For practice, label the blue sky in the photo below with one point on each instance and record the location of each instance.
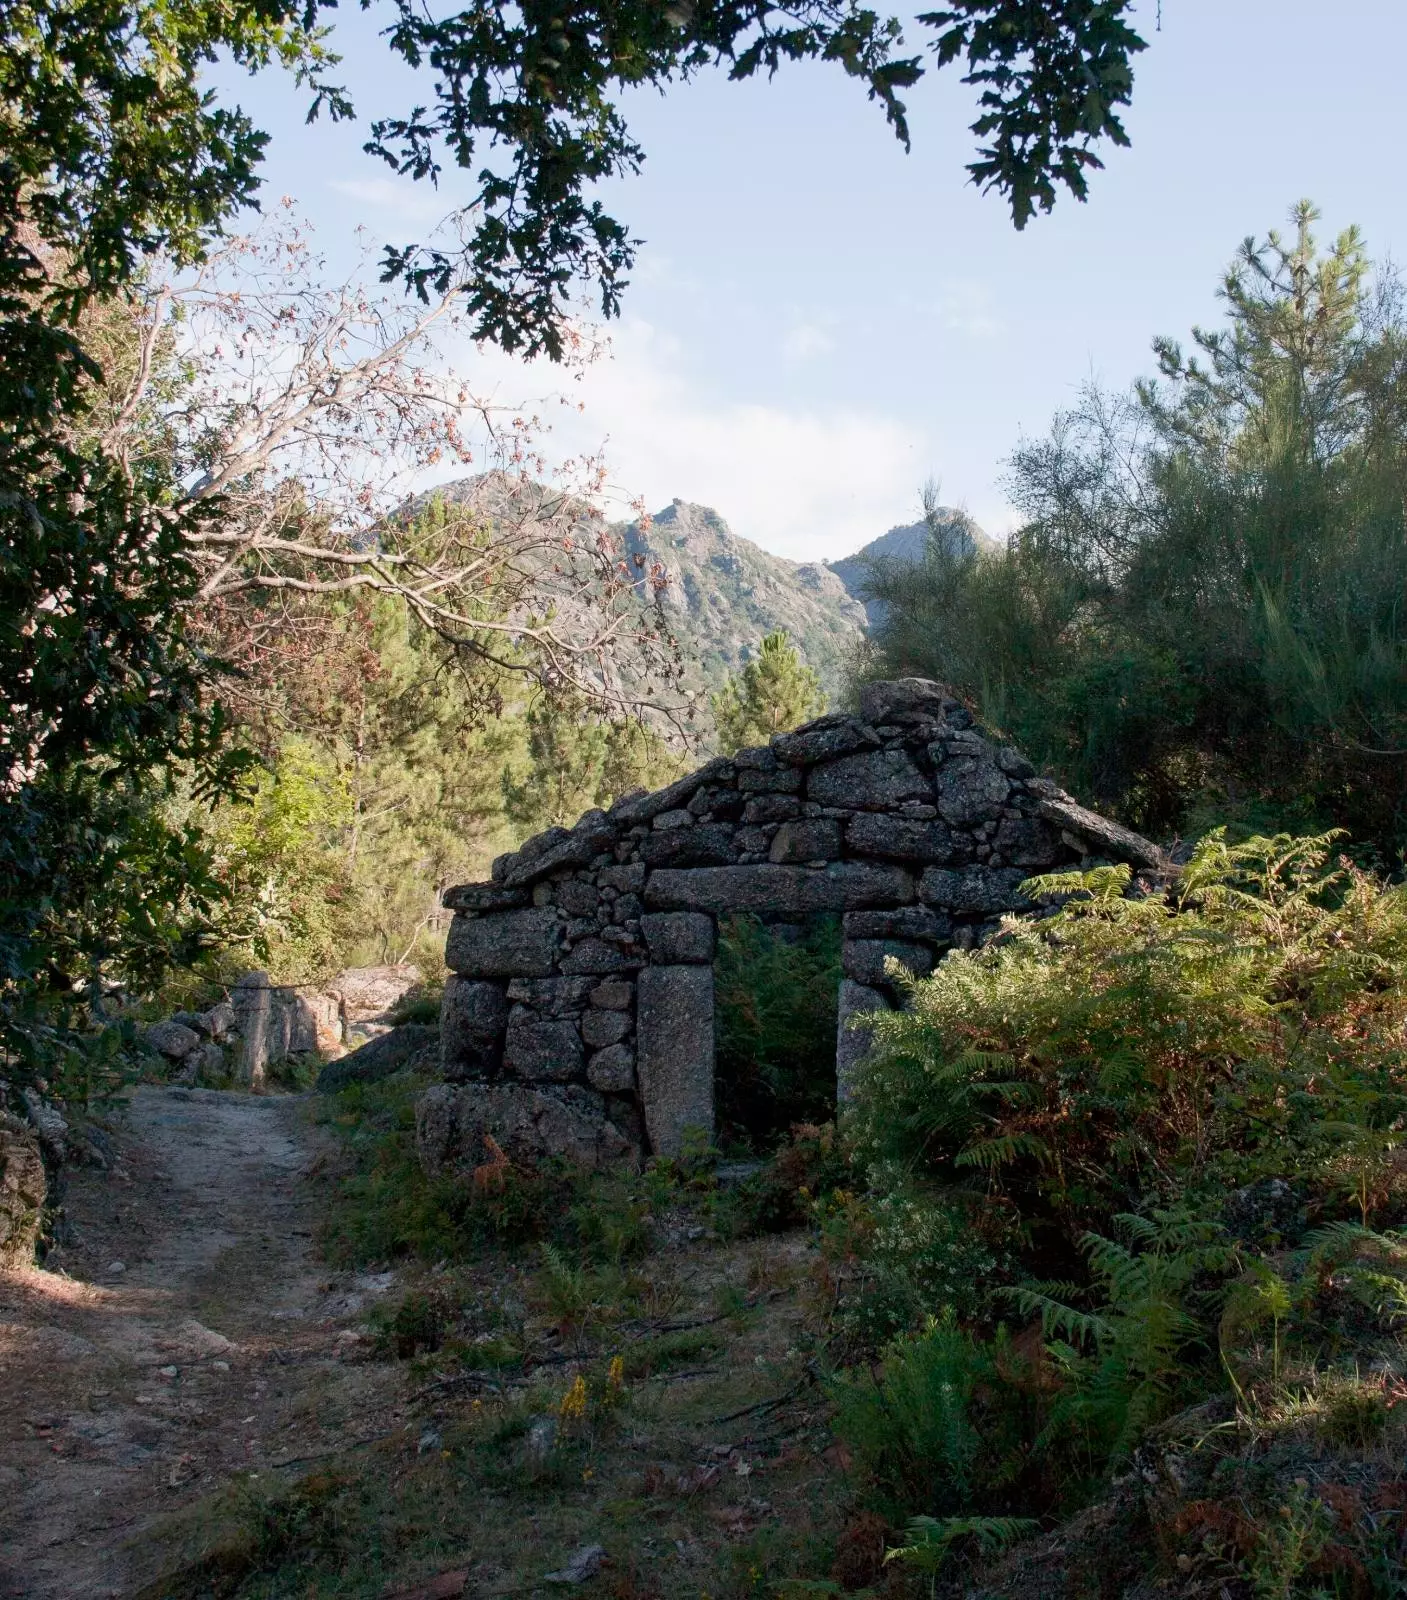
(819, 322)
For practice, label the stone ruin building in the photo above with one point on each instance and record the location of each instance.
(579, 1019)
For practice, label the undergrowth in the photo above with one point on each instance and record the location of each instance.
(1167, 1132)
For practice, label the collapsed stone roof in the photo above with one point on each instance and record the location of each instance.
(578, 1019)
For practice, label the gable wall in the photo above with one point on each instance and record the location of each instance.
(578, 1019)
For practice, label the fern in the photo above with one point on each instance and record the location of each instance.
(931, 1539)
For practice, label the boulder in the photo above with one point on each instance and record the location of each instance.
(219, 1021)
(528, 1125)
(172, 1039)
(873, 781)
(542, 1049)
(473, 1016)
(324, 1013)
(674, 1054)
(780, 891)
(506, 944)
(369, 994)
(23, 1191)
(411, 1044)
(673, 937)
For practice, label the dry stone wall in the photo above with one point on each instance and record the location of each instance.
(578, 1019)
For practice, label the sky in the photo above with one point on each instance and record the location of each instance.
(818, 322)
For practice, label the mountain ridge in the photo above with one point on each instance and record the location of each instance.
(726, 593)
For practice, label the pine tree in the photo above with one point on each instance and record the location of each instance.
(772, 693)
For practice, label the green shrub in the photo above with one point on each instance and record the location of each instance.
(1140, 1051)
(941, 1425)
(1139, 1161)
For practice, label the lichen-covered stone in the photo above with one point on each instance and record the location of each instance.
(171, 1039)
(1104, 837)
(707, 844)
(528, 1125)
(901, 839)
(473, 1015)
(922, 923)
(771, 808)
(674, 1054)
(626, 878)
(23, 1190)
(969, 789)
(554, 997)
(590, 836)
(596, 958)
(780, 891)
(872, 781)
(852, 1037)
(678, 936)
(1028, 842)
(602, 1028)
(975, 891)
(645, 808)
(897, 698)
(612, 1070)
(483, 897)
(808, 839)
(864, 959)
(823, 740)
(542, 1049)
(507, 944)
(613, 995)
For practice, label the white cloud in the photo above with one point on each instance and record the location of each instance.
(810, 484)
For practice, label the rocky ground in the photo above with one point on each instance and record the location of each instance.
(192, 1403)
(186, 1335)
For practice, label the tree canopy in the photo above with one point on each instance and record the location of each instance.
(1204, 603)
(116, 151)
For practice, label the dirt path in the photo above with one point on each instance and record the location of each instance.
(187, 1334)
